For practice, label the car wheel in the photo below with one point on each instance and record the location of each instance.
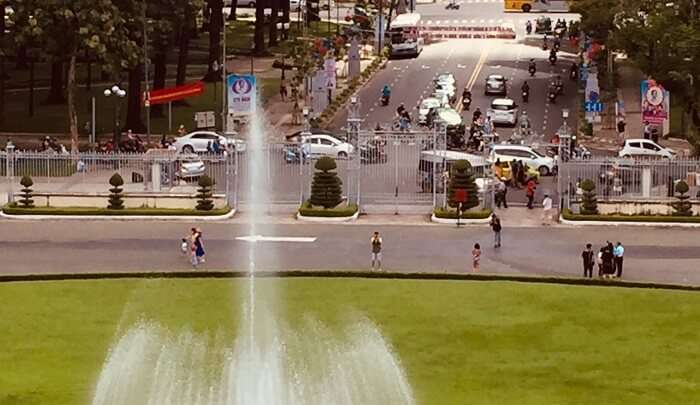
(526, 8)
(251, 4)
(187, 149)
(544, 170)
(626, 156)
(342, 155)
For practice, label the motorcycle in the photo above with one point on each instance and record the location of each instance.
(532, 69)
(560, 88)
(552, 95)
(526, 96)
(385, 100)
(553, 59)
(452, 6)
(556, 46)
(573, 75)
(466, 103)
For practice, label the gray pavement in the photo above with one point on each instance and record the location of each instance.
(654, 254)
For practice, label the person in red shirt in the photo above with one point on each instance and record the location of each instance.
(530, 192)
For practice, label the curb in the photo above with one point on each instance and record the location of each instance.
(174, 218)
(349, 274)
(631, 223)
(332, 220)
(463, 221)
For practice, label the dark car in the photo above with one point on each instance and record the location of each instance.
(495, 84)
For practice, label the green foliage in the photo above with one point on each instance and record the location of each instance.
(569, 215)
(76, 211)
(205, 193)
(682, 207)
(452, 214)
(461, 177)
(26, 200)
(308, 210)
(589, 202)
(326, 187)
(116, 201)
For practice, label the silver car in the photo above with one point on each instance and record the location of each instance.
(496, 84)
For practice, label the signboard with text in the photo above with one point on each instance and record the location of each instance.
(242, 91)
(654, 102)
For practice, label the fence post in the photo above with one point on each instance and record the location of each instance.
(396, 176)
(10, 171)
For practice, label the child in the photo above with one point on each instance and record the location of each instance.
(183, 246)
(476, 257)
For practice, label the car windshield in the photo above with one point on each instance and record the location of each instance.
(537, 153)
(502, 107)
(428, 104)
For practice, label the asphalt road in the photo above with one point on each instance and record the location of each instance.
(655, 254)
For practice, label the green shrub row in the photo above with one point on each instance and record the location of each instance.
(14, 209)
(308, 210)
(452, 214)
(570, 216)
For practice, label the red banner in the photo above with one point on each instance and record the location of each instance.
(169, 94)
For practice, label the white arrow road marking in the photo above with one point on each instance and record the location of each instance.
(460, 66)
(260, 238)
(424, 67)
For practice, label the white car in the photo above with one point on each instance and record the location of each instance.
(645, 148)
(198, 141)
(447, 78)
(503, 111)
(295, 5)
(444, 89)
(508, 153)
(326, 145)
(425, 106)
(496, 84)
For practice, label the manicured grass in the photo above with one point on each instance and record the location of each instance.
(342, 210)
(460, 342)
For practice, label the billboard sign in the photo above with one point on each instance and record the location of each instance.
(242, 93)
(654, 102)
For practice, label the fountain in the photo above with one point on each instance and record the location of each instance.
(270, 363)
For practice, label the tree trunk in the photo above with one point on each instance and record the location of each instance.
(259, 36)
(391, 11)
(275, 7)
(133, 95)
(206, 15)
(56, 95)
(216, 22)
(71, 88)
(186, 29)
(21, 61)
(160, 67)
(232, 16)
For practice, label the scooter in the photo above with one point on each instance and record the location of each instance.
(385, 100)
(466, 103)
(560, 89)
(532, 69)
(526, 96)
(573, 75)
(552, 95)
(553, 59)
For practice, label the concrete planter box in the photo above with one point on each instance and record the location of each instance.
(451, 221)
(131, 200)
(328, 219)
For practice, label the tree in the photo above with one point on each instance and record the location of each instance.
(259, 33)
(116, 201)
(272, 24)
(589, 202)
(205, 193)
(462, 178)
(216, 24)
(326, 187)
(186, 28)
(62, 28)
(682, 207)
(26, 200)
(597, 17)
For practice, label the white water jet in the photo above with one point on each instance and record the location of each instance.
(269, 363)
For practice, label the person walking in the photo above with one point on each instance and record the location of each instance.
(476, 257)
(199, 247)
(619, 253)
(608, 262)
(501, 193)
(621, 128)
(283, 91)
(588, 261)
(376, 243)
(547, 210)
(530, 192)
(496, 226)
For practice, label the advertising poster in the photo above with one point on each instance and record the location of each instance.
(655, 103)
(242, 93)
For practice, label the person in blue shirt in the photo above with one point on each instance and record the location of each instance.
(619, 253)
(386, 91)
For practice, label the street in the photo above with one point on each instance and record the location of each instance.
(651, 254)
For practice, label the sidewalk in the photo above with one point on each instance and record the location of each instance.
(606, 137)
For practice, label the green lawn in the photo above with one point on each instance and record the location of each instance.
(460, 342)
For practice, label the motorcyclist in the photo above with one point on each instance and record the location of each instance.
(532, 67)
(528, 27)
(400, 110)
(525, 126)
(544, 42)
(552, 92)
(525, 90)
(557, 43)
(553, 57)
(466, 99)
(573, 71)
(476, 115)
(558, 82)
(386, 91)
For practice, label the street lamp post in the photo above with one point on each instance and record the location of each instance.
(302, 137)
(118, 93)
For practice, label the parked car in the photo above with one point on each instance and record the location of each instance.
(496, 84)
(503, 111)
(424, 108)
(507, 153)
(645, 148)
(326, 145)
(198, 141)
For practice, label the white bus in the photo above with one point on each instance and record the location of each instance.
(405, 35)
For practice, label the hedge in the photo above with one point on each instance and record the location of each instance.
(340, 211)
(452, 214)
(13, 209)
(570, 216)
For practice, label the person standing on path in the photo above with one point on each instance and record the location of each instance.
(376, 243)
(199, 246)
(496, 226)
(619, 253)
(546, 210)
(588, 261)
(530, 192)
(621, 128)
(501, 193)
(476, 257)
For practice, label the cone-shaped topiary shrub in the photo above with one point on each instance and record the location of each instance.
(589, 202)
(682, 207)
(205, 193)
(116, 201)
(326, 187)
(26, 200)
(462, 178)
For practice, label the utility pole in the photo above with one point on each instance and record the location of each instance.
(147, 99)
(354, 124)
(380, 28)
(224, 89)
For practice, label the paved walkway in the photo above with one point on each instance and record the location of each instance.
(658, 255)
